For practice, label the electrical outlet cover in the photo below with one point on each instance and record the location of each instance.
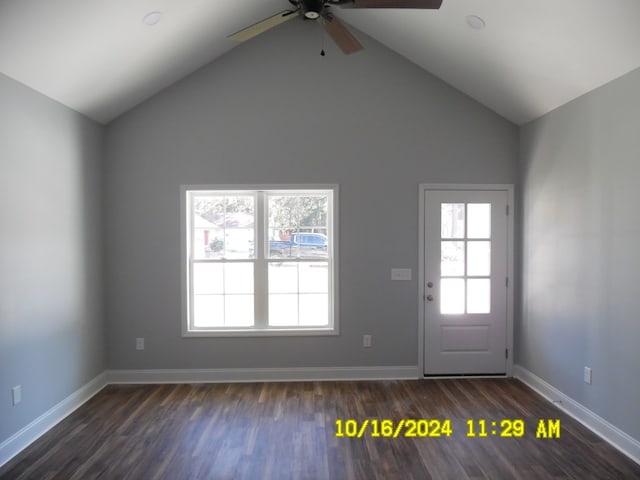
(16, 394)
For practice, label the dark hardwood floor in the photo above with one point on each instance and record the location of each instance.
(288, 431)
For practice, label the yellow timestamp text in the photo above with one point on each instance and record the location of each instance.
(546, 428)
(387, 428)
(434, 428)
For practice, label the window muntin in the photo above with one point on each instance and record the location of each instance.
(259, 261)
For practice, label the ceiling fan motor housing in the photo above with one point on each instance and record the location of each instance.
(311, 9)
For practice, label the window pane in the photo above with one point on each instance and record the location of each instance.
(238, 310)
(284, 213)
(299, 245)
(282, 244)
(238, 278)
(213, 208)
(283, 310)
(208, 311)
(451, 259)
(238, 243)
(479, 220)
(298, 226)
(283, 277)
(314, 277)
(213, 241)
(479, 258)
(208, 278)
(452, 295)
(478, 295)
(314, 309)
(452, 220)
(223, 226)
(312, 245)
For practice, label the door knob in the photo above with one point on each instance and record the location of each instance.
(430, 298)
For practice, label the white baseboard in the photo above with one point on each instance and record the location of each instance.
(610, 433)
(216, 375)
(30, 433)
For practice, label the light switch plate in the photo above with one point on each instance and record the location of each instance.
(401, 274)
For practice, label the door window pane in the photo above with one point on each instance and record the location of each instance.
(479, 258)
(452, 220)
(478, 295)
(451, 259)
(452, 295)
(479, 220)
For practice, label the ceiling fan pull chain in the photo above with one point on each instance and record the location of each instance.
(322, 54)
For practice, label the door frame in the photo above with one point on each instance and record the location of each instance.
(422, 190)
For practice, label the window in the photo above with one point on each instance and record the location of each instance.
(465, 264)
(259, 261)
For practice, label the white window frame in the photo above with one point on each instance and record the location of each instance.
(260, 327)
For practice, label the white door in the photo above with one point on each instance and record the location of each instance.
(465, 274)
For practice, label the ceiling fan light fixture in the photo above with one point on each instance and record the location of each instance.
(475, 22)
(311, 9)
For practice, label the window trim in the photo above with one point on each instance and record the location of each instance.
(261, 222)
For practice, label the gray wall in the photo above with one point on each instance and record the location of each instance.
(51, 322)
(274, 111)
(580, 180)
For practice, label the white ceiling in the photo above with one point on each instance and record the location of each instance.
(97, 57)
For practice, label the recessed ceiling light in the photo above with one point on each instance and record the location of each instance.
(152, 18)
(475, 22)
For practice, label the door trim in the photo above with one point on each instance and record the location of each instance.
(422, 190)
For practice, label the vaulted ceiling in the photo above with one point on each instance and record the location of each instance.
(99, 58)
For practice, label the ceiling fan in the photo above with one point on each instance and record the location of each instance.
(320, 10)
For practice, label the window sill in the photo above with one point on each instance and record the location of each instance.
(257, 332)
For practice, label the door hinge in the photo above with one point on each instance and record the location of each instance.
(506, 353)
(506, 282)
(507, 210)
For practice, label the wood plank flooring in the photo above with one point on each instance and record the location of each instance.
(280, 431)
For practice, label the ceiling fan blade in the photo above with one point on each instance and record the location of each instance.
(341, 35)
(417, 4)
(262, 26)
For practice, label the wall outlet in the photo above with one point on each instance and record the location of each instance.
(16, 394)
(366, 341)
(587, 375)
(139, 343)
